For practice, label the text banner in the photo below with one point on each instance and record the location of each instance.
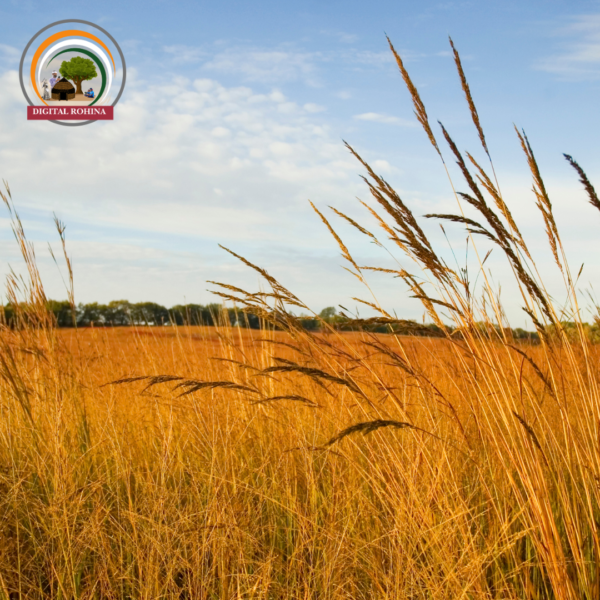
(69, 113)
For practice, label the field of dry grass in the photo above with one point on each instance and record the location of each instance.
(222, 463)
(474, 478)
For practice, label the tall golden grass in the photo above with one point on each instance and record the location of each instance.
(228, 463)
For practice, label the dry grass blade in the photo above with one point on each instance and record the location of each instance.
(345, 252)
(293, 397)
(355, 224)
(152, 379)
(391, 233)
(535, 170)
(399, 326)
(478, 201)
(415, 242)
(262, 272)
(434, 301)
(538, 326)
(373, 306)
(193, 385)
(284, 361)
(535, 368)
(61, 227)
(232, 288)
(238, 363)
(500, 204)
(502, 237)
(280, 343)
(531, 433)
(281, 292)
(34, 310)
(467, 91)
(313, 374)
(455, 219)
(368, 427)
(420, 111)
(234, 299)
(543, 200)
(397, 273)
(583, 178)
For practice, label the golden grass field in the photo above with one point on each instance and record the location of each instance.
(122, 491)
(224, 463)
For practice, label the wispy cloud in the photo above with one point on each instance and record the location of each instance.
(208, 147)
(341, 36)
(453, 5)
(386, 119)
(186, 54)
(368, 57)
(311, 107)
(580, 55)
(9, 54)
(266, 66)
(281, 64)
(212, 163)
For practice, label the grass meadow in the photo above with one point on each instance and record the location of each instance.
(222, 462)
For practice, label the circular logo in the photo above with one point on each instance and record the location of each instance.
(66, 62)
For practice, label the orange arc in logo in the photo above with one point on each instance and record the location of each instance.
(53, 38)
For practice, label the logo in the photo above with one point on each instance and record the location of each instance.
(72, 75)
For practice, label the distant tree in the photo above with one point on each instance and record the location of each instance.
(309, 323)
(61, 309)
(251, 321)
(8, 315)
(190, 314)
(328, 314)
(91, 314)
(77, 70)
(149, 313)
(118, 312)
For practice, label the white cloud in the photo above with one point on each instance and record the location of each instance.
(186, 54)
(283, 64)
(580, 58)
(266, 66)
(313, 108)
(9, 54)
(386, 119)
(341, 36)
(190, 161)
(204, 135)
(368, 57)
(381, 166)
(220, 132)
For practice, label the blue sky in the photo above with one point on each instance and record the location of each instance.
(234, 115)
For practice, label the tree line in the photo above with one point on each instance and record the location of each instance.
(119, 313)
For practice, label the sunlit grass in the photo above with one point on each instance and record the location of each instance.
(220, 462)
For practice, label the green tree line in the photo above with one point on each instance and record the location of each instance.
(124, 313)
(120, 313)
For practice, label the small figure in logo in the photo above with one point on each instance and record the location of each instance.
(54, 79)
(45, 95)
(89, 93)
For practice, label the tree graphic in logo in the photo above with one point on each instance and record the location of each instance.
(77, 70)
